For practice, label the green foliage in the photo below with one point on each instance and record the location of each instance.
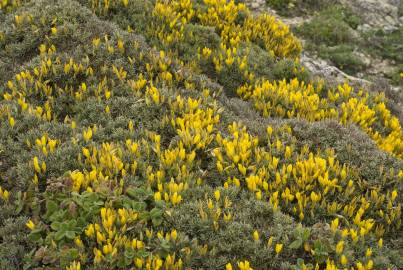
(301, 235)
(397, 76)
(343, 57)
(330, 34)
(287, 69)
(330, 27)
(61, 215)
(297, 7)
(385, 44)
(279, 4)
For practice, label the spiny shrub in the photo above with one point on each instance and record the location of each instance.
(115, 154)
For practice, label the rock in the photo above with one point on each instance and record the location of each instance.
(255, 5)
(376, 13)
(335, 76)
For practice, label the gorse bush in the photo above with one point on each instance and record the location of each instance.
(185, 135)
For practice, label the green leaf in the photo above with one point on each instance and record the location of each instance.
(34, 236)
(306, 234)
(129, 253)
(296, 244)
(19, 203)
(142, 253)
(70, 234)
(138, 206)
(51, 207)
(140, 194)
(156, 213)
(72, 223)
(72, 253)
(59, 235)
(156, 216)
(157, 221)
(55, 225)
(165, 245)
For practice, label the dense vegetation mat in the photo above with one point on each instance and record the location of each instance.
(185, 134)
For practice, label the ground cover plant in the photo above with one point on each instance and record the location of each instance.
(331, 34)
(185, 134)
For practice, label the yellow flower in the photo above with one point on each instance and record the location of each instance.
(269, 131)
(370, 265)
(138, 262)
(256, 235)
(174, 235)
(74, 266)
(380, 243)
(244, 266)
(343, 260)
(86, 152)
(87, 134)
(36, 165)
(335, 224)
(228, 266)
(6, 195)
(157, 196)
(278, 248)
(315, 197)
(96, 42)
(98, 255)
(393, 195)
(78, 242)
(30, 225)
(217, 195)
(206, 52)
(339, 247)
(258, 195)
(11, 121)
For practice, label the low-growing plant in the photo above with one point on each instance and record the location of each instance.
(343, 57)
(330, 27)
(124, 151)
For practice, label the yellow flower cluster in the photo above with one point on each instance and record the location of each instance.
(274, 34)
(168, 161)
(278, 98)
(4, 194)
(302, 183)
(45, 144)
(369, 114)
(242, 265)
(9, 5)
(297, 99)
(171, 20)
(217, 210)
(106, 165)
(108, 239)
(104, 6)
(194, 124)
(193, 120)
(293, 99)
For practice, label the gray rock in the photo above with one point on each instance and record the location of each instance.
(376, 13)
